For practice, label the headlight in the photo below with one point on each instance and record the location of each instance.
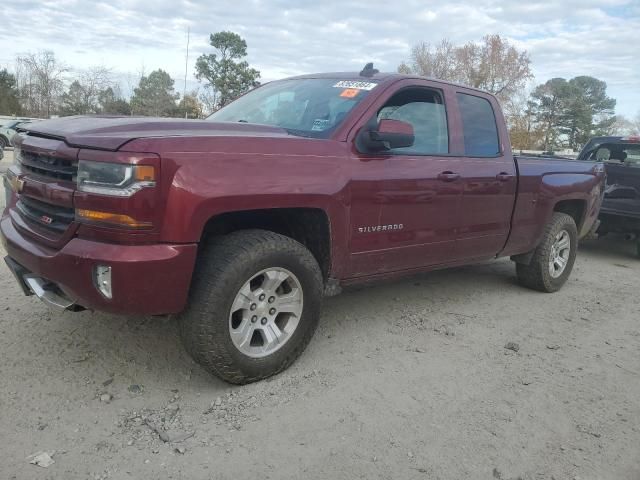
(115, 179)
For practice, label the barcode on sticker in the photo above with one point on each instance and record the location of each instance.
(355, 84)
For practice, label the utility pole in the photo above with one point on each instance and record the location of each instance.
(186, 68)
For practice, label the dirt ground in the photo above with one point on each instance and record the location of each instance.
(409, 379)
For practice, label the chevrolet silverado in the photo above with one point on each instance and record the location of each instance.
(241, 223)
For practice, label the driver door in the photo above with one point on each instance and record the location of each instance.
(406, 201)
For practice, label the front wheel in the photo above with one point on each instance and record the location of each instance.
(553, 258)
(254, 305)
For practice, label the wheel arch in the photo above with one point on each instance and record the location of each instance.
(309, 226)
(576, 208)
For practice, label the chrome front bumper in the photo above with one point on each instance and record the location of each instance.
(42, 288)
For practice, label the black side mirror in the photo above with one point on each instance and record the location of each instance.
(386, 135)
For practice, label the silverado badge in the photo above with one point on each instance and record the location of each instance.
(381, 228)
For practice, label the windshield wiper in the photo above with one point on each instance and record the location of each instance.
(298, 133)
(243, 121)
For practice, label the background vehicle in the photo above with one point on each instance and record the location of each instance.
(240, 223)
(9, 130)
(621, 205)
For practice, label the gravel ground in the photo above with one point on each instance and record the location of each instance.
(410, 379)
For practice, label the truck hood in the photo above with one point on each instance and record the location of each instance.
(112, 132)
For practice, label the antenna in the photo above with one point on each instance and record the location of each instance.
(186, 68)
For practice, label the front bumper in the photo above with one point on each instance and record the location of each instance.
(146, 279)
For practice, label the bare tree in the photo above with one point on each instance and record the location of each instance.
(209, 99)
(40, 79)
(626, 126)
(493, 65)
(432, 61)
(83, 95)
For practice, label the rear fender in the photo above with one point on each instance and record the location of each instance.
(536, 205)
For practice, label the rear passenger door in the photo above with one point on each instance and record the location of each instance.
(488, 175)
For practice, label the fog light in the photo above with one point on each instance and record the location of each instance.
(103, 280)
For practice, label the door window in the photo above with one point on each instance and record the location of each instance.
(479, 126)
(424, 110)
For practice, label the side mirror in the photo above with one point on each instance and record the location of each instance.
(388, 134)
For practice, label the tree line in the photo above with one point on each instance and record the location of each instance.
(560, 113)
(42, 86)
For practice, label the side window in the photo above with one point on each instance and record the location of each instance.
(479, 126)
(424, 110)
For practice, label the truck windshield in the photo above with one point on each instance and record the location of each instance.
(310, 107)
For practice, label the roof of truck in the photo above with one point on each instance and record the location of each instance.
(381, 77)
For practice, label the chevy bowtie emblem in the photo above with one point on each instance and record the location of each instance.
(17, 184)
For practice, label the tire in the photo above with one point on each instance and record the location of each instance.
(4, 143)
(537, 275)
(234, 262)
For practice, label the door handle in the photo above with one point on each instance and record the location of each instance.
(504, 176)
(448, 176)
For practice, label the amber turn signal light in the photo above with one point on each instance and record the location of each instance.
(93, 216)
(145, 173)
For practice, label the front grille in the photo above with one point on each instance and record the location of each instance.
(48, 166)
(45, 215)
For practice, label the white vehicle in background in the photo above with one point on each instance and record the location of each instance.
(9, 129)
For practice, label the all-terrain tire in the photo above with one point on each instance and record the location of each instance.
(224, 265)
(537, 275)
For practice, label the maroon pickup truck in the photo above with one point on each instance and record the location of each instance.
(241, 223)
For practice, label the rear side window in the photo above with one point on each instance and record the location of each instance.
(479, 125)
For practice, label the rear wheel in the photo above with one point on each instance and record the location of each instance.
(553, 258)
(254, 306)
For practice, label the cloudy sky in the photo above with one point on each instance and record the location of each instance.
(564, 38)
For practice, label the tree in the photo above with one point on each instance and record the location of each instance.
(9, 101)
(225, 73)
(571, 112)
(111, 102)
(73, 101)
(83, 95)
(525, 134)
(590, 112)
(624, 126)
(154, 95)
(190, 106)
(493, 65)
(549, 104)
(40, 80)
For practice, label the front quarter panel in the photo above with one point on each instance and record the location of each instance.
(206, 177)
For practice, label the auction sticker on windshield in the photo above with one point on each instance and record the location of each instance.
(355, 84)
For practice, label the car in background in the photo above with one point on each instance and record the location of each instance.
(9, 130)
(620, 210)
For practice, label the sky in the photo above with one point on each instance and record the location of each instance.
(564, 38)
